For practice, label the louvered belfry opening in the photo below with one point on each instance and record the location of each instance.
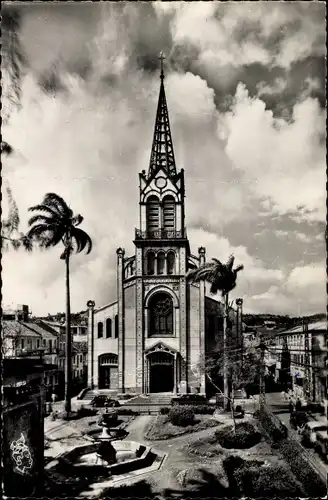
(169, 213)
(153, 214)
(162, 154)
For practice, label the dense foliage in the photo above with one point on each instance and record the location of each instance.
(246, 435)
(181, 416)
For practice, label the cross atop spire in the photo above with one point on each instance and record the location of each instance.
(162, 57)
(162, 154)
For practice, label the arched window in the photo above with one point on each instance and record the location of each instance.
(153, 219)
(100, 329)
(161, 315)
(151, 263)
(160, 262)
(169, 213)
(108, 328)
(171, 263)
(116, 326)
(108, 359)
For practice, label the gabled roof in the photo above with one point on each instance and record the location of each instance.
(44, 330)
(14, 328)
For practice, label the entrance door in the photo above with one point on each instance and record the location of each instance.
(161, 372)
(161, 378)
(104, 377)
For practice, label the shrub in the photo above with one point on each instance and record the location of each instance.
(203, 409)
(126, 411)
(276, 434)
(293, 454)
(181, 416)
(254, 480)
(164, 410)
(246, 436)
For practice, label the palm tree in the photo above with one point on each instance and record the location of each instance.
(54, 224)
(223, 278)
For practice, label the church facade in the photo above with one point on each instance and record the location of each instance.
(154, 337)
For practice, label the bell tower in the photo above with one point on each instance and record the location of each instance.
(162, 247)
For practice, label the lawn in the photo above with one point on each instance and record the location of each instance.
(161, 428)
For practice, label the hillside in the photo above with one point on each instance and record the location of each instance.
(281, 321)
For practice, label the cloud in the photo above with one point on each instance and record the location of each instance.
(309, 282)
(268, 151)
(85, 131)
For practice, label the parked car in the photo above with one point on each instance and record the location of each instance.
(189, 399)
(101, 401)
(309, 431)
(298, 419)
(321, 443)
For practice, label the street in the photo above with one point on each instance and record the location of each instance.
(279, 407)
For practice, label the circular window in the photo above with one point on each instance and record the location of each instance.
(161, 182)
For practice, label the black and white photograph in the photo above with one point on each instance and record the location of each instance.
(163, 242)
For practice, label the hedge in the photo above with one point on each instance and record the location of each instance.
(181, 416)
(245, 436)
(293, 453)
(273, 480)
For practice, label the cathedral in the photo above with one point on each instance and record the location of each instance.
(153, 338)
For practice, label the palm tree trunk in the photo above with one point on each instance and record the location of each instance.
(68, 364)
(225, 358)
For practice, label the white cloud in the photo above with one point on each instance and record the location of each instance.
(89, 142)
(284, 160)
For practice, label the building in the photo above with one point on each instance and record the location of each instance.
(23, 337)
(78, 328)
(155, 335)
(301, 360)
(22, 426)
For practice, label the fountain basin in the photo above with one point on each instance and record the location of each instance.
(130, 455)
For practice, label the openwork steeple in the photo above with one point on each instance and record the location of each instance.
(162, 154)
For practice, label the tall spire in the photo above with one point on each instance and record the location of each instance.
(162, 154)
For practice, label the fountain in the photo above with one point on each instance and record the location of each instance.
(109, 454)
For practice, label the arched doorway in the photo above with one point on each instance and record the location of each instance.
(161, 372)
(108, 371)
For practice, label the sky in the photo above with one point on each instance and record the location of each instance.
(245, 86)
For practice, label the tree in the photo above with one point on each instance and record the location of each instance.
(243, 369)
(13, 61)
(223, 278)
(56, 223)
(10, 234)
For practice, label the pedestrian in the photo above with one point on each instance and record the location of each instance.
(283, 395)
(53, 398)
(298, 405)
(291, 407)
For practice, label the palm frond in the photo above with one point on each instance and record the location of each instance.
(43, 219)
(230, 261)
(203, 272)
(40, 233)
(77, 219)
(82, 240)
(47, 210)
(56, 202)
(239, 268)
